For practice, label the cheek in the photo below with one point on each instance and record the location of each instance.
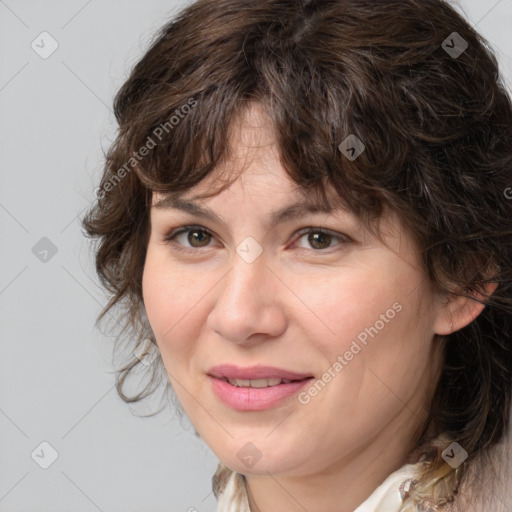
(158, 297)
(349, 303)
(168, 299)
(375, 319)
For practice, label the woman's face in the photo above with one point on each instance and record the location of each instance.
(355, 316)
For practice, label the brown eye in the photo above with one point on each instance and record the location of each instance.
(188, 238)
(319, 240)
(197, 237)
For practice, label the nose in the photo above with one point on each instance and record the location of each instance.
(248, 305)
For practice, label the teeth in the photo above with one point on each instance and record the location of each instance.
(257, 383)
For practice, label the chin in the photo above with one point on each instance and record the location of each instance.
(248, 459)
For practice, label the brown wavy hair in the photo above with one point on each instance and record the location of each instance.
(438, 134)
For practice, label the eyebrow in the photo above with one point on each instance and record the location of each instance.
(291, 211)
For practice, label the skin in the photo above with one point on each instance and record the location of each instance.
(298, 306)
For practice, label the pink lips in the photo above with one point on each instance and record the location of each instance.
(254, 399)
(254, 372)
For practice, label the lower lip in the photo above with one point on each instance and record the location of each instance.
(254, 399)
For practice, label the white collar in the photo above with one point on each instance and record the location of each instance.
(386, 498)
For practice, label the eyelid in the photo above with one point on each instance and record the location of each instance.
(342, 237)
(168, 236)
(326, 231)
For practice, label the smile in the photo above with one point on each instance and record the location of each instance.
(261, 394)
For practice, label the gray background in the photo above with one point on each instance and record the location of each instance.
(56, 380)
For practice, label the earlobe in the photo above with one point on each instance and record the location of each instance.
(458, 312)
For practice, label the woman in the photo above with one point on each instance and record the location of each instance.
(305, 212)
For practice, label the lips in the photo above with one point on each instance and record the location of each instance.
(228, 371)
(255, 388)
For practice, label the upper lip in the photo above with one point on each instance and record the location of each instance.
(230, 371)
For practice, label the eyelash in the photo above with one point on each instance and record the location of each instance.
(169, 237)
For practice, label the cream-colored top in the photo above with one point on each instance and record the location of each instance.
(386, 498)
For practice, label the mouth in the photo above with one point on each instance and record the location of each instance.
(256, 388)
(255, 373)
(258, 383)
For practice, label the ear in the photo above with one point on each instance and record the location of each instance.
(458, 312)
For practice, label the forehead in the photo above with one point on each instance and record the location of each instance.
(253, 158)
(253, 152)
